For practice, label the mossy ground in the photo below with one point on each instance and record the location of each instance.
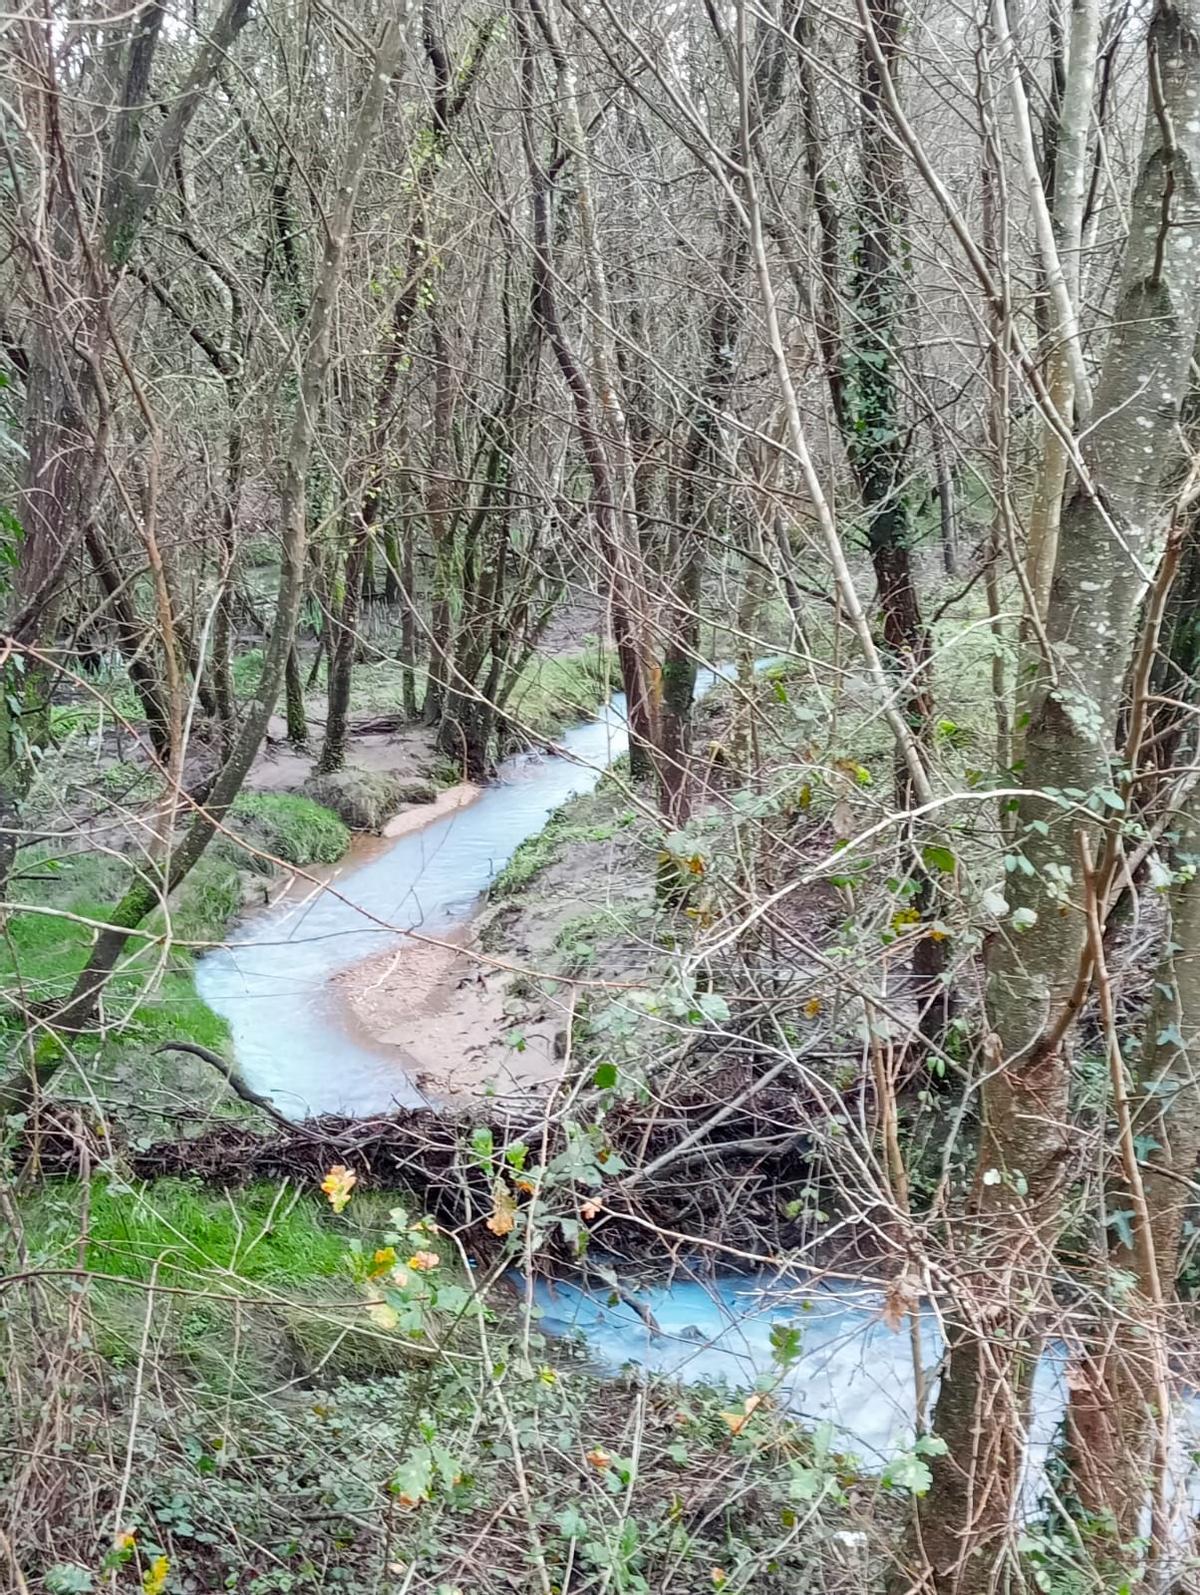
(64, 896)
(284, 1445)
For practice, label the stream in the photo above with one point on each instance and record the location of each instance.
(272, 983)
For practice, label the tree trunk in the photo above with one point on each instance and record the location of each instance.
(1015, 1212)
(293, 693)
(343, 642)
(1066, 176)
(1116, 1428)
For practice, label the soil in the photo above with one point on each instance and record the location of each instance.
(487, 1011)
(408, 752)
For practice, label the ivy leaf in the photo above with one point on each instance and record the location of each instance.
(908, 1472)
(572, 1525)
(1122, 1222)
(452, 1298)
(713, 1007)
(411, 1481)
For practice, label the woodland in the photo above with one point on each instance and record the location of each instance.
(600, 797)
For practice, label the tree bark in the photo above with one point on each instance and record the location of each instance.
(1015, 1211)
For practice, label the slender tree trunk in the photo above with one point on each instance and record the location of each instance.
(1006, 1247)
(1068, 167)
(599, 411)
(1119, 1396)
(293, 695)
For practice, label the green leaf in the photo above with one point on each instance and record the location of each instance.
(805, 1484)
(713, 1007)
(1122, 1222)
(452, 1298)
(572, 1525)
(908, 1472)
(414, 1476)
(939, 858)
(787, 1343)
(68, 1578)
(605, 1076)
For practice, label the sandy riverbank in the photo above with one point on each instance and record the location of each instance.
(449, 1016)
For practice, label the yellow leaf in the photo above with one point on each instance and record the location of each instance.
(337, 1185)
(812, 1007)
(903, 917)
(504, 1210)
(383, 1316)
(805, 798)
(154, 1579)
(423, 1262)
(599, 1458)
(383, 1262)
(695, 865)
(737, 1421)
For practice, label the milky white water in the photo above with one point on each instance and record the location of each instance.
(272, 983)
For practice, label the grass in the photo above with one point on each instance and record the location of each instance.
(288, 827)
(552, 692)
(266, 1234)
(245, 669)
(258, 1285)
(367, 799)
(150, 999)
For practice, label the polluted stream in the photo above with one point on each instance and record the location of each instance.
(273, 984)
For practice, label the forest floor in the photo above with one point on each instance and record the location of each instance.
(294, 1433)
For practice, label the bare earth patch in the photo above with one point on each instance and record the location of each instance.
(449, 1016)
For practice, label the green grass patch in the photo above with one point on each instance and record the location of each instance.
(567, 827)
(258, 1285)
(286, 825)
(246, 672)
(553, 692)
(265, 1233)
(150, 999)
